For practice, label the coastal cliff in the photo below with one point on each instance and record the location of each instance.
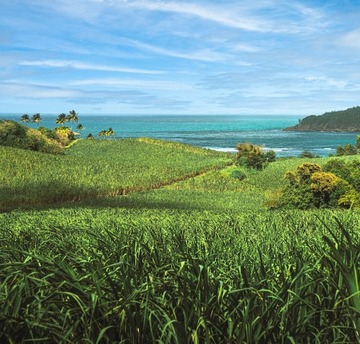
(336, 121)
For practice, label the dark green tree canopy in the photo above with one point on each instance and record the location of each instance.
(341, 121)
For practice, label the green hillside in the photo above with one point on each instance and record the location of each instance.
(341, 121)
(147, 241)
(93, 169)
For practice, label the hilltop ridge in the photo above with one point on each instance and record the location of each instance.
(338, 121)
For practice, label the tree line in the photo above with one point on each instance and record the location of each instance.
(62, 119)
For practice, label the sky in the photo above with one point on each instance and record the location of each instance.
(286, 57)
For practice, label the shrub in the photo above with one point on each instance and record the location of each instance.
(238, 175)
(351, 199)
(307, 154)
(346, 150)
(310, 187)
(47, 132)
(252, 156)
(349, 171)
(327, 189)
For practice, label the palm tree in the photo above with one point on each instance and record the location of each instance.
(36, 118)
(25, 118)
(102, 133)
(61, 119)
(109, 132)
(73, 117)
(80, 127)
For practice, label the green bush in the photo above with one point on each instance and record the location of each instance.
(346, 150)
(310, 187)
(350, 171)
(253, 156)
(307, 154)
(238, 175)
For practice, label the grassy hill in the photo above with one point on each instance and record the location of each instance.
(92, 169)
(341, 121)
(143, 241)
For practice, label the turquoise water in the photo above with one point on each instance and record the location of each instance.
(214, 132)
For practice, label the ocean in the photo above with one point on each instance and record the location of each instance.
(218, 132)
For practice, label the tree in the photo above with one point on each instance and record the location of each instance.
(80, 127)
(61, 119)
(347, 149)
(250, 155)
(36, 118)
(107, 133)
(110, 132)
(102, 133)
(25, 118)
(309, 187)
(327, 188)
(72, 117)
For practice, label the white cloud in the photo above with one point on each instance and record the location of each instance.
(205, 55)
(18, 89)
(215, 14)
(133, 83)
(326, 82)
(86, 66)
(247, 48)
(351, 39)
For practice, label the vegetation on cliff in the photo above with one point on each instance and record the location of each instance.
(341, 121)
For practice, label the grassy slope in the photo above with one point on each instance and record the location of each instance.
(93, 169)
(202, 254)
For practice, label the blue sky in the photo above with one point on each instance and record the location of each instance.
(179, 57)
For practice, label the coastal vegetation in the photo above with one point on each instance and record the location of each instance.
(148, 241)
(13, 134)
(337, 184)
(349, 149)
(253, 156)
(340, 121)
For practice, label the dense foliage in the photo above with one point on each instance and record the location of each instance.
(345, 120)
(347, 149)
(253, 156)
(17, 135)
(336, 184)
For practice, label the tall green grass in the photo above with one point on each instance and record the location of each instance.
(169, 276)
(199, 260)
